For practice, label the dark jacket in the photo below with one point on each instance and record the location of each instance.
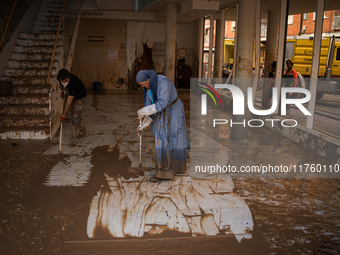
(75, 87)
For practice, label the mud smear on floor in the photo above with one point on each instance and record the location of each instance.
(167, 233)
(111, 220)
(104, 162)
(94, 103)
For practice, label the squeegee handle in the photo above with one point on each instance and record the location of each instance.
(140, 145)
(60, 135)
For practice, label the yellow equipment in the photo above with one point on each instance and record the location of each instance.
(303, 51)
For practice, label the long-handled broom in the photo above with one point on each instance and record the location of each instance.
(140, 146)
(140, 168)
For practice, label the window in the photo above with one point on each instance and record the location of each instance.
(263, 27)
(338, 54)
(314, 15)
(290, 19)
(207, 37)
(304, 17)
(206, 58)
(233, 26)
(336, 23)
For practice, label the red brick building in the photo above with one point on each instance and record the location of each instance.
(230, 29)
(331, 23)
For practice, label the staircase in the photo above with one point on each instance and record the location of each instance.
(25, 114)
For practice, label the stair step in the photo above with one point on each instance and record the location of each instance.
(34, 36)
(25, 133)
(31, 64)
(24, 121)
(51, 9)
(54, 1)
(36, 72)
(30, 89)
(48, 18)
(50, 31)
(34, 57)
(53, 5)
(28, 81)
(36, 43)
(24, 49)
(24, 110)
(46, 23)
(24, 99)
(50, 14)
(49, 25)
(47, 28)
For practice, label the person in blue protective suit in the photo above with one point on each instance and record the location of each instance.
(164, 109)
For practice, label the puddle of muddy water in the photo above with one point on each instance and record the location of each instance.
(104, 161)
(77, 199)
(107, 161)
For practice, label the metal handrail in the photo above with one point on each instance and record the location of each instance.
(8, 21)
(73, 43)
(55, 44)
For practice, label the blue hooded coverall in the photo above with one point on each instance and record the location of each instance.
(169, 126)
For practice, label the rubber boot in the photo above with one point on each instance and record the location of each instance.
(82, 129)
(74, 136)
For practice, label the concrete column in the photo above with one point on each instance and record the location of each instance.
(271, 48)
(235, 43)
(200, 47)
(211, 43)
(243, 63)
(315, 61)
(170, 41)
(257, 47)
(245, 39)
(219, 45)
(281, 48)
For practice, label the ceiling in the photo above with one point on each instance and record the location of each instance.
(189, 10)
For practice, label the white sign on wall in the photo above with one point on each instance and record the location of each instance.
(113, 54)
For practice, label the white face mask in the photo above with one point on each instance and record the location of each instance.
(65, 84)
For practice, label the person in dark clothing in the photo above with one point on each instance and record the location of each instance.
(183, 74)
(75, 91)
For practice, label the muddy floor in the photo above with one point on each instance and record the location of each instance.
(34, 223)
(291, 216)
